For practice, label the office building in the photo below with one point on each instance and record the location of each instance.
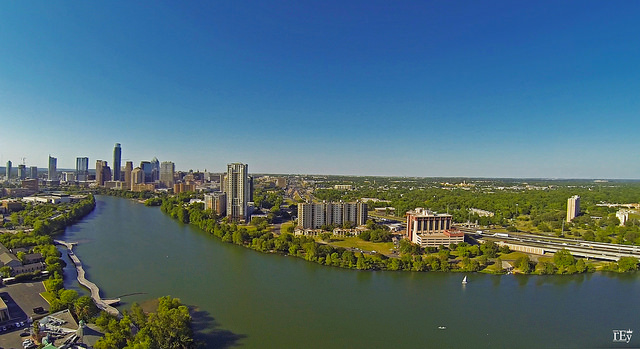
(52, 173)
(238, 191)
(316, 215)
(31, 184)
(128, 169)
(22, 172)
(117, 156)
(167, 171)
(103, 172)
(217, 202)
(33, 172)
(147, 169)
(155, 169)
(82, 169)
(183, 188)
(68, 177)
(573, 207)
(430, 229)
(8, 170)
(137, 177)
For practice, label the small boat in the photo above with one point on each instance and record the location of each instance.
(464, 280)
(442, 327)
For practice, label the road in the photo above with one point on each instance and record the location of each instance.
(580, 248)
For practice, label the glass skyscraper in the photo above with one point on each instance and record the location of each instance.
(117, 155)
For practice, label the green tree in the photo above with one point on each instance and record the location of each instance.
(627, 264)
(563, 258)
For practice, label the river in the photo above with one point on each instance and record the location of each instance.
(255, 300)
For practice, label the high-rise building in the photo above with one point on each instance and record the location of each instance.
(238, 191)
(146, 167)
(137, 177)
(155, 169)
(52, 174)
(128, 168)
(33, 172)
(22, 173)
(315, 215)
(167, 170)
(103, 172)
(217, 202)
(82, 168)
(8, 169)
(117, 156)
(573, 207)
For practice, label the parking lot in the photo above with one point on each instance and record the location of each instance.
(20, 299)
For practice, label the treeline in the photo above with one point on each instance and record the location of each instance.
(168, 327)
(48, 219)
(304, 247)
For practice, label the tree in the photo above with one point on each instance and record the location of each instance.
(563, 258)
(84, 308)
(627, 264)
(68, 297)
(524, 264)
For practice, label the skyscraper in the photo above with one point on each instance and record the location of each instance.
(82, 169)
(117, 155)
(137, 177)
(103, 172)
(155, 169)
(238, 191)
(22, 173)
(146, 167)
(167, 170)
(128, 168)
(33, 172)
(8, 169)
(53, 170)
(573, 207)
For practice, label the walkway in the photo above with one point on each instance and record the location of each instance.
(95, 291)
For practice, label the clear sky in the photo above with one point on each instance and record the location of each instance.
(403, 88)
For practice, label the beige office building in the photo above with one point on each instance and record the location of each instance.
(430, 229)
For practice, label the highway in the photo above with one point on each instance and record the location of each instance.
(578, 248)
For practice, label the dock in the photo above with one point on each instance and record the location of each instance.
(102, 304)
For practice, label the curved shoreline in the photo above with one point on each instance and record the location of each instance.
(95, 290)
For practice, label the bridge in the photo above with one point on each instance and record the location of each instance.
(102, 304)
(579, 248)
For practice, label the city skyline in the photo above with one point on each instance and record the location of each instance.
(375, 88)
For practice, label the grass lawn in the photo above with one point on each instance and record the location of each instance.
(284, 226)
(353, 242)
(48, 296)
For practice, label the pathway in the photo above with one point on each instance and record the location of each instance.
(95, 291)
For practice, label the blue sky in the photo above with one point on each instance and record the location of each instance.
(414, 88)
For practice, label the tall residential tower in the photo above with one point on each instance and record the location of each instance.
(238, 191)
(573, 207)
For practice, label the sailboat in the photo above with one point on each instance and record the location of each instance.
(464, 280)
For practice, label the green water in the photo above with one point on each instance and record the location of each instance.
(254, 300)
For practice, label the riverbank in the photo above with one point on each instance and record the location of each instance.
(485, 257)
(237, 291)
